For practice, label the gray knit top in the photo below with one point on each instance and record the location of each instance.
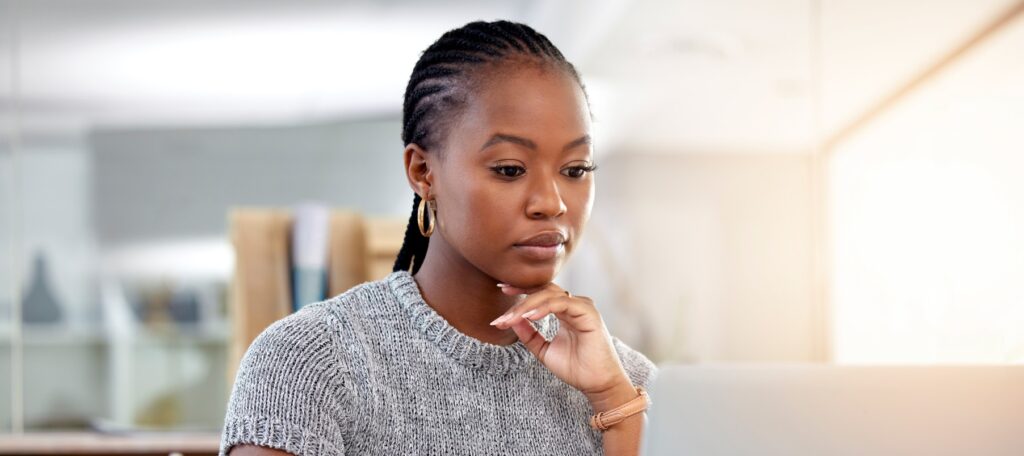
(376, 370)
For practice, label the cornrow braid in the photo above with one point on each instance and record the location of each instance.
(438, 89)
(414, 245)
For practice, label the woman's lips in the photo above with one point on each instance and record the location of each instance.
(543, 246)
(541, 252)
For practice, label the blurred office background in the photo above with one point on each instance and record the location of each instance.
(821, 181)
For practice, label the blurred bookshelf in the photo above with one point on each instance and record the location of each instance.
(89, 379)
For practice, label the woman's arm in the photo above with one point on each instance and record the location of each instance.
(624, 437)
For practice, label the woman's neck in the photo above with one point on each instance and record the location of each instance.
(465, 296)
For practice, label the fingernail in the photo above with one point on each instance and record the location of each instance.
(502, 285)
(528, 314)
(499, 319)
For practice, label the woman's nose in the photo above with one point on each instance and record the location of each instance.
(545, 199)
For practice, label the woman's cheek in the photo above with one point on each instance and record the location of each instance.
(476, 214)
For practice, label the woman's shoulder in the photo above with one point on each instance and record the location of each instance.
(641, 370)
(324, 323)
(314, 347)
(292, 341)
(362, 300)
(355, 302)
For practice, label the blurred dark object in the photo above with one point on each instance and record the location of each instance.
(164, 305)
(40, 304)
(184, 307)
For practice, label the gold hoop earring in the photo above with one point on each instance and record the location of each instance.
(419, 217)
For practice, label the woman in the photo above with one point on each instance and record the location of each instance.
(467, 347)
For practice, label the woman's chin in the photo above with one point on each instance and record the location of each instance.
(532, 277)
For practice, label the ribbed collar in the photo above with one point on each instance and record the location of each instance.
(467, 350)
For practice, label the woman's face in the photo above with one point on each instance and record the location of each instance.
(513, 168)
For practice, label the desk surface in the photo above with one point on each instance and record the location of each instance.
(84, 443)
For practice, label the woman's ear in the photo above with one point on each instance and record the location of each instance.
(418, 171)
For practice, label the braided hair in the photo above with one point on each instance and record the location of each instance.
(439, 87)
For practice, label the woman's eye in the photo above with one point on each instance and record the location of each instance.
(577, 172)
(509, 171)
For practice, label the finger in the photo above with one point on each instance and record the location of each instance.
(531, 302)
(512, 291)
(577, 312)
(532, 296)
(531, 338)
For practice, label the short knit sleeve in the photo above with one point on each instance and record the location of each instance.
(290, 392)
(638, 367)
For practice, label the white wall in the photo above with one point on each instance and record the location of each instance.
(927, 211)
(180, 182)
(703, 257)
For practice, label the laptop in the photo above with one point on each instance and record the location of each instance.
(769, 410)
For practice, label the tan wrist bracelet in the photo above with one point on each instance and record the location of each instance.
(607, 419)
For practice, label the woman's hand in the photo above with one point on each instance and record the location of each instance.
(581, 353)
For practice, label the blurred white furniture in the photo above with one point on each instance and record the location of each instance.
(819, 410)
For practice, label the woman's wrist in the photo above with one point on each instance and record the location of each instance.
(620, 393)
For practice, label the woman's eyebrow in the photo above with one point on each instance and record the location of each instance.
(582, 140)
(502, 137)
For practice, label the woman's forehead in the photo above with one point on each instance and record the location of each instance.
(527, 102)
